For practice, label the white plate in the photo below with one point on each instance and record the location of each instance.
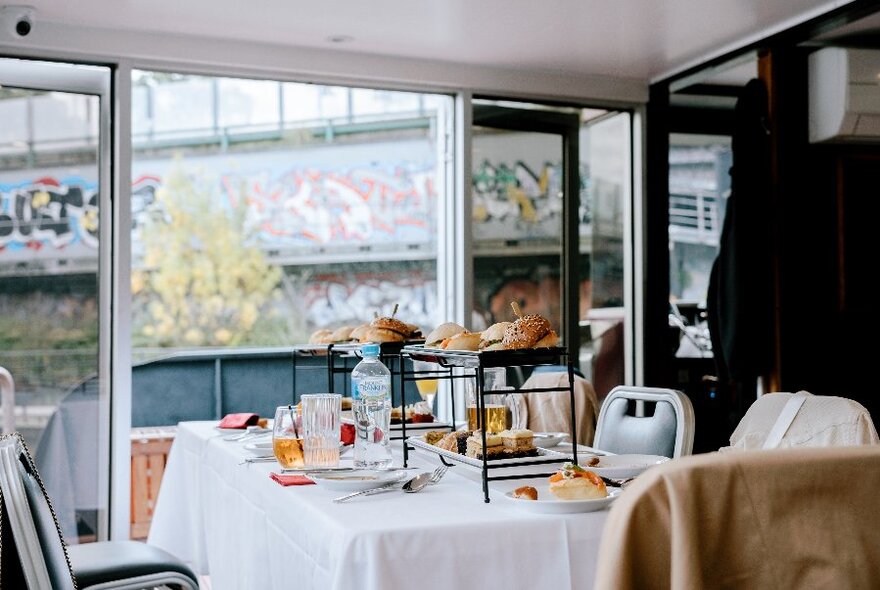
(354, 481)
(620, 466)
(262, 448)
(547, 503)
(546, 440)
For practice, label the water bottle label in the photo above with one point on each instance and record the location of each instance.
(373, 388)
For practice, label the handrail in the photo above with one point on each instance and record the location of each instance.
(7, 398)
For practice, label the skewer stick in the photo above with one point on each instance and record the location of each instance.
(295, 429)
(394, 313)
(516, 309)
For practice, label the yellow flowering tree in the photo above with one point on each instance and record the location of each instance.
(199, 282)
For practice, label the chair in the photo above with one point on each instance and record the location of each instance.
(627, 424)
(819, 421)
(551, 411)
(33, 553)
(785, 518)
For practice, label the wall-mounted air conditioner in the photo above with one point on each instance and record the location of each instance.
(844, 95)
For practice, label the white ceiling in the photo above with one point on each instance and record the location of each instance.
(635, 39)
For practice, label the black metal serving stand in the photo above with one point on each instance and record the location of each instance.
(474, 364)
(338, 357)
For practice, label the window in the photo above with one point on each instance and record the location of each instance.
(265, 210)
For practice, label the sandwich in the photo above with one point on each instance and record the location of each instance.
(441, 333)
(388, 329)
(531, 331)
(358, 333)
(462, 341)
(573, 482)
(342, 334)
(322, 336)
(492, 336)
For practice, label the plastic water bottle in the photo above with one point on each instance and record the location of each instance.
(371, 402)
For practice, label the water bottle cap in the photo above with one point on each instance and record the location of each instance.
(370, 350)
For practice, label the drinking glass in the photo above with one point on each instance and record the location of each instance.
(495, 417)
(427, 387)
(287, 440)
(320, 419)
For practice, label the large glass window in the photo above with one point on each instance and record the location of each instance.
(265, 210)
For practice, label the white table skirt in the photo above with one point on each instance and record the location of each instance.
(232, 522)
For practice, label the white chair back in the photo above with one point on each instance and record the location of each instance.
(820, 421)
(624, 425)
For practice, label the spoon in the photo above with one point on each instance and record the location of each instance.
(412, 486)
(417, 483)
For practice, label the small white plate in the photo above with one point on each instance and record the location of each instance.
(547, 503)
(262, 448)
(357, 480)
(620, 466)
(546, 440)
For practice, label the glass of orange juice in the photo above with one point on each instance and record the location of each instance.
(427, 387)
(287, 438)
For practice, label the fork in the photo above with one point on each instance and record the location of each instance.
(437, 474)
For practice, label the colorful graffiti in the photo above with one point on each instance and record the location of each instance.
(48, 213)
(514, 202)
(369, 205)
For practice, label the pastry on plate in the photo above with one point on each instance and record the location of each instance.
(573, 482)
(462, 341)
(455, 441)
(432, 437)
(525, 493)
(494, 446)
(322, 336)
(531, 331)
(518, 443)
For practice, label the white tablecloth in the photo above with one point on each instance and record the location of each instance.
(232, 522)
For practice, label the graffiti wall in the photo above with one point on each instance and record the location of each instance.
(46, 216)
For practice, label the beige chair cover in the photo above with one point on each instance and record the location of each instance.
(551, 411)
(823, 421)
(786, 518)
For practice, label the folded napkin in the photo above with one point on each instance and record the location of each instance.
(291, 480)
(346, 433)
(239, 420)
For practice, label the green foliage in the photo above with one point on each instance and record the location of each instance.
(200, 283)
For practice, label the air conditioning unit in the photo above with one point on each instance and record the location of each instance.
(844, 95)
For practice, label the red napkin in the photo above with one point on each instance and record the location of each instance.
(346, 433)
(239, 420)
(291, 480)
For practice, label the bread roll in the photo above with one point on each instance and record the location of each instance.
(525, 493)
(548, 341)
(381, 335)
(462, 341)
(526, 332)
(392, 325)
(441, 333)
(491, 338)
(322, 336)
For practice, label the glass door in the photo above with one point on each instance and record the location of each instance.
(54, 281)
(525, 185)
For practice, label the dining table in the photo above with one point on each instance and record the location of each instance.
(229, 519)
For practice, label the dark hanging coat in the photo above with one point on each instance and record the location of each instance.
(740, 297)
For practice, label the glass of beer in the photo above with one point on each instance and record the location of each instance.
(320, 419)
(287, 439)
(495, 408)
